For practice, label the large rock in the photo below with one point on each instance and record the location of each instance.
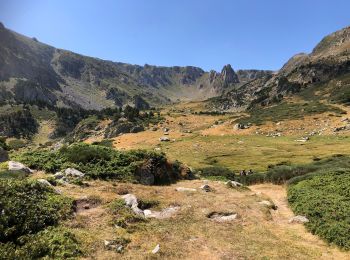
(74, 173)
(163, 214)
(140, 103)
(17, 166)
(44, 182)
(146, 174)
(131, 202)
(116, 128)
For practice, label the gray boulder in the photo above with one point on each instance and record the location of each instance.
(131, 202)
(17, 166)
(44, 182)
(74, 173)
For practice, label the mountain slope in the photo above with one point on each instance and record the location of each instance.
(33, 72)
(325, 72)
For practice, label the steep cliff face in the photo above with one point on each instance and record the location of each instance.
(329, 61)
(32, 72)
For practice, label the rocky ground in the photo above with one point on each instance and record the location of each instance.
(217, 223)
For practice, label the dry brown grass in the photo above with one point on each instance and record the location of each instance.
(257, 234)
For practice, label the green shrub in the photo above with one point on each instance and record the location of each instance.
(29, 213)
(147, 203)
(3, 144)
(97, 162)
(29, 207)
(6, 174)
(251, 179)
(216, 171)
(53, 243)
(324, 200)
(16, 144)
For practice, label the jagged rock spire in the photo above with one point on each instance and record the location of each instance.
(228, 75)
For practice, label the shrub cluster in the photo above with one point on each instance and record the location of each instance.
(28, 208)
(97, 162)
(324, 200)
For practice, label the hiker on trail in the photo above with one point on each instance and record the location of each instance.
(250, 172)
(243, 173)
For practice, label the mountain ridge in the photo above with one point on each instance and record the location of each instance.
(329, 60)
(74, 80)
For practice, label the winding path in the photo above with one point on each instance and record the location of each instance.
(281, 216)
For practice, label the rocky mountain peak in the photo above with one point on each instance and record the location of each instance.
(228, 75)
(337, 40)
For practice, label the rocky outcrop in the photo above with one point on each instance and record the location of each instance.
(249, 75)
(157, 171)
(140, 103)
(228, 75)
(117, 128)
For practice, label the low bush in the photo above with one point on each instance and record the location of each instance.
(216, 172)
(6, 174)
(16, 144)
(28, 207)
(251, 179)
(52, 243)
(97, 162)
(30, 212)
(324, 200)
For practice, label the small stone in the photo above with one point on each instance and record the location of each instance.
(299, 219)
(233, 184)
(268, 204)
(182, 189)
(206, 188)
(156, 249)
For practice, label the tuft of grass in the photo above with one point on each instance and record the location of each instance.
(123, 216)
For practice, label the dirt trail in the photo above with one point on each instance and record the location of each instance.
(281, 216)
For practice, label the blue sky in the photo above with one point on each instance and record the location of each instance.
(206, 33)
